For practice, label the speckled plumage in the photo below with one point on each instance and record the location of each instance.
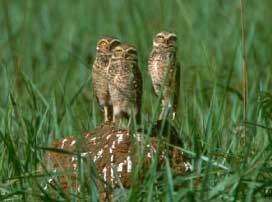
(164, 70)
(99, 74)
(125, 82)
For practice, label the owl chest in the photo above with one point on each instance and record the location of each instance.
(121, 76)
(159, 68)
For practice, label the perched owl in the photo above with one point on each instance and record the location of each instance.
(165, 71)
(125, 83)
(99, 74)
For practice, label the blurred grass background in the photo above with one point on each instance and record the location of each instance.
(46, 48)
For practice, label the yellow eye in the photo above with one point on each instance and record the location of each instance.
(118, 52)
(103, 43)
(160, 39)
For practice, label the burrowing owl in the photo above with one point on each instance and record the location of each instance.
(125, 83)
(99, 74)
(164, 70)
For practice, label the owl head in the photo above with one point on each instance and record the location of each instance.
(124, 51)
(165, 40)
(107, 44)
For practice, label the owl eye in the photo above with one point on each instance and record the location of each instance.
(118, 52)
(103, 43)
(160, 39)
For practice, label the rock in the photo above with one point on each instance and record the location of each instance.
(107, 156)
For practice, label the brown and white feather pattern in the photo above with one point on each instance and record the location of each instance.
(162, 67)
(125, 84)
(99, 74)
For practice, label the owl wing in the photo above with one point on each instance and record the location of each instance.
(95, 79)
(150, 61)
(150, 69)
(137, 89)
(177, 85)
(138, 84)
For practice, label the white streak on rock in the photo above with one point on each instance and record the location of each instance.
(73, 142)
(93, 139)
(188, 166)
(112, 176)
(84, 154)
(108, 136)
(99, 154)
(88, 135)
(120, 138)
(153, 149)
(63, 143)
(74, 158)
(113, 145)
(104, 173)
(120, 167)
(129, 164)
(50, 180)
(137, 136)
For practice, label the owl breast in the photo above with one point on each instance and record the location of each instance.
(160, 67)
(100, 84)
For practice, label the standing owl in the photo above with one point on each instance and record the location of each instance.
(125, 83)
(164, 71)
(99, 74)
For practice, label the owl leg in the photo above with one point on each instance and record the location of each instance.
(113, 119)
(106, 119)
(129, 122)
(162, 109)
(173, 115)
(120, 123)
(116, 115)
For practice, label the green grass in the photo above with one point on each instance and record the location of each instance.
(46, 94)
